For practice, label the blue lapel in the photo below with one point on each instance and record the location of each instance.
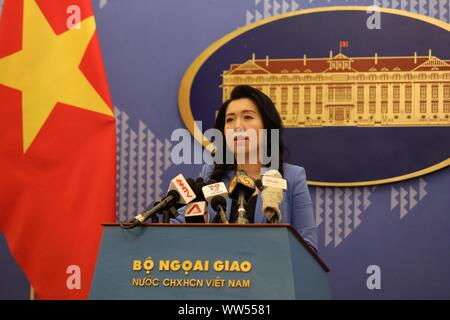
(259, 216)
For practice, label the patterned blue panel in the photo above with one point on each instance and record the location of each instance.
(437, 9)
(261, 9)
(339, 211)
(141, 161)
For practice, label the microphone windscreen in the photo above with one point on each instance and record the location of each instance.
(241, 184)
(273, 173)
(259, 184)
(174, 194)
(273, 178)
(191, 182)
(272, 195)
(241, 172)
(194, 186)
(218, 201)
(199, 183)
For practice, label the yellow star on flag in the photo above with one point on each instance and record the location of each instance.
(47, 71)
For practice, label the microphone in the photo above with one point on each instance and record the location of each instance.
(259, 185)
(171, 211)
(179, 192)
(215, 194)
(241, 189)
(272, 194)
(182, 186)
(219, 204)
(199, 184)
(197, 212)
(214, 189)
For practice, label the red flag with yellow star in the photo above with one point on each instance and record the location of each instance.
(57, 143)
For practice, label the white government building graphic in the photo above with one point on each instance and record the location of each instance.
(351, 91)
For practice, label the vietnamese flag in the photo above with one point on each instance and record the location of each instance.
(57, 143)
(343, 44)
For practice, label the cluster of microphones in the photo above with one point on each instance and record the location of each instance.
(197, 195)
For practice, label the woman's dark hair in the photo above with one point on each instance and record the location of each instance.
(270, 117)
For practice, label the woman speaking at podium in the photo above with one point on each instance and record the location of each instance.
(249, 109)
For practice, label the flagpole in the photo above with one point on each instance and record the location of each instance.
(32, 293)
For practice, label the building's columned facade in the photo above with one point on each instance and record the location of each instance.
(346, 91)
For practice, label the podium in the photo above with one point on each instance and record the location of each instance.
(207, 261)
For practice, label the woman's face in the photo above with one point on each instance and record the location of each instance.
(242, 124)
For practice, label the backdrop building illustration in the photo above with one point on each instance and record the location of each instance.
(351, 91)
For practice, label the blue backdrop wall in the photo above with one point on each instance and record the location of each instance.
(403, 228)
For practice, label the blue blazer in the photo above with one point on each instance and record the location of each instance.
(296, 207)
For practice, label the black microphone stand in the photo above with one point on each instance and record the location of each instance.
(169, 213)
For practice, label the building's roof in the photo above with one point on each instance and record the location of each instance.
(358, 64)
